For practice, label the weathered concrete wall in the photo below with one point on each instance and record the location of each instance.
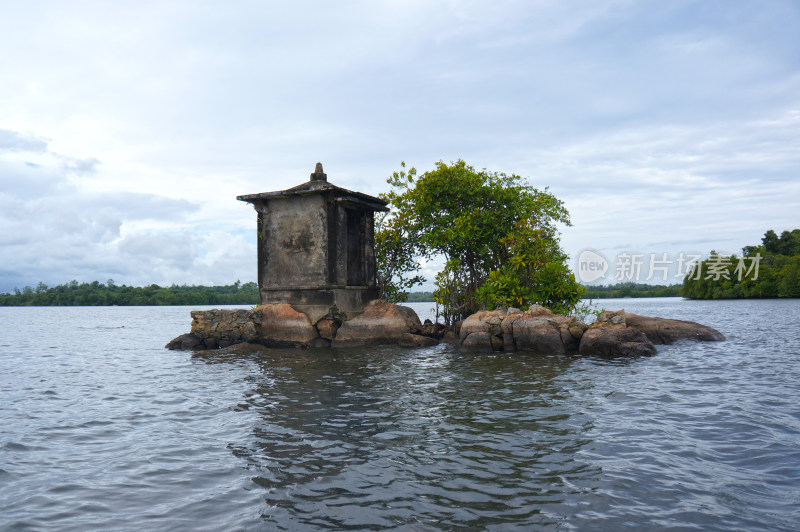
(316, 253)
(318, 302)
(316, 246)
(294, 235)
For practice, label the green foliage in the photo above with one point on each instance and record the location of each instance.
(777, 275)
(535, 271)
(586, 308)
(496, 233)
(95, 293)
(396, 248)
(788, 244)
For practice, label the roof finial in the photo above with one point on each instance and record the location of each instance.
(318, 174)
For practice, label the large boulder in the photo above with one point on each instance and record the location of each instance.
(609, 336)
(615, 341)
(280, 325)
(477, 342)
(482, 321)
(380, 323)
(478, 331)
(327, 328)
(623, 333)
(186, 341)
(537, 330)
(669, 331)
(222, 327)
(276, 325)
(539, 334)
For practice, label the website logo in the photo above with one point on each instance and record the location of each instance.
(591, 266)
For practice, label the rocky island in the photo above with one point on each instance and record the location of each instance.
(317, 287)
(536, 331)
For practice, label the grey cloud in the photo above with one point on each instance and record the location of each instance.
(11, 141)
(23, 182)
(150, 250)
(53, 230)
(81, 166)
(139, 206)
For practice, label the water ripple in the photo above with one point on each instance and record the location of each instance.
(104, 429)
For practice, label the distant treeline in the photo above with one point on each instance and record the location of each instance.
(109, 293)
(769, 270)
(420, 297)
(594, 292)
(631, 290)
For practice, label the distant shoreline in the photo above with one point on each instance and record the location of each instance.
(109, 294)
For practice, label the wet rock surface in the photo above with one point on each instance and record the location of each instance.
(614, 341)
(535, 331)
(281, 325)
(669, 331)
(380, 323)
(539, 331)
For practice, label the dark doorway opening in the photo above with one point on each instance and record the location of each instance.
(355, 245)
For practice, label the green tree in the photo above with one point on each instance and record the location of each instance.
(771, 241)
(496, 233)
(396, 248)
(789, 243)
(777, 274)
(789, 283)
(536, 271)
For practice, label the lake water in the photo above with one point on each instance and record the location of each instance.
(104, 429)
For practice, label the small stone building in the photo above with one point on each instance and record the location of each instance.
(316, 247)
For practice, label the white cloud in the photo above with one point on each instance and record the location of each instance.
(53, 230)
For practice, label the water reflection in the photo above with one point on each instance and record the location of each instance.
(378, 437)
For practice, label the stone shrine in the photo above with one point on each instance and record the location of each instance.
(316, 247)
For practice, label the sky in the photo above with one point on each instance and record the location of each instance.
(127, 129)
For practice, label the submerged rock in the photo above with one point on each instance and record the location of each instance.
(615, 341)
(185, 341)
(669, 331)
(245, 348)
(416, 340)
